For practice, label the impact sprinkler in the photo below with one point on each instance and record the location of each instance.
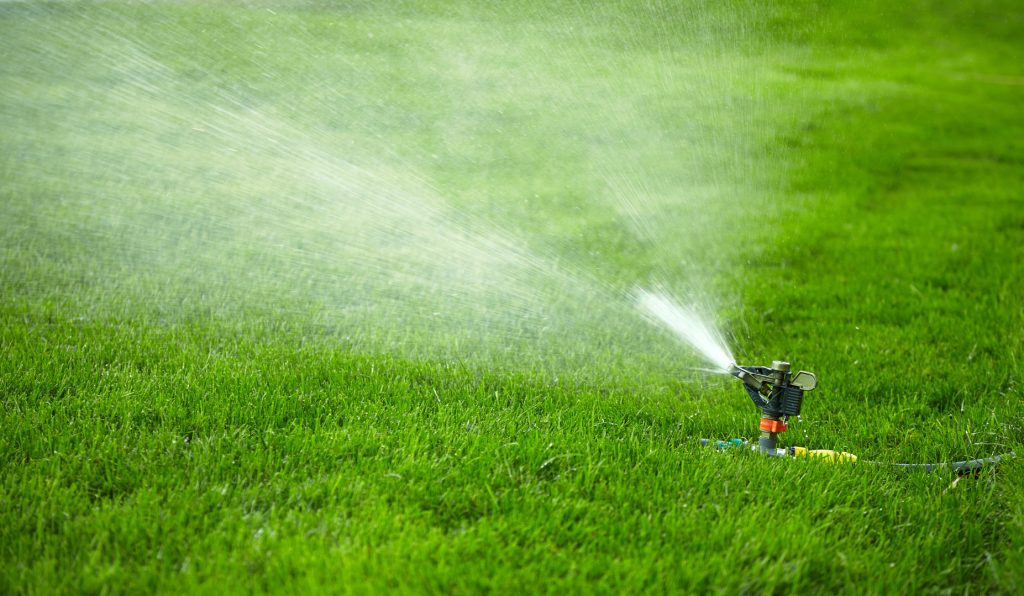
(778, 393)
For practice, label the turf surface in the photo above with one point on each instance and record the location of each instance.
(330, 297)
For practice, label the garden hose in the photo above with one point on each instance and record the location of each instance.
(963, 468)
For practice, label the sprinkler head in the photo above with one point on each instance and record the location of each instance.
(777, 392)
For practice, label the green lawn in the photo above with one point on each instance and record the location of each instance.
(336, 296)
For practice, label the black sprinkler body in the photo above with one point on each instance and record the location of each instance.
(778, 393)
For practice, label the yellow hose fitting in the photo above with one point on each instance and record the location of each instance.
(825, 454)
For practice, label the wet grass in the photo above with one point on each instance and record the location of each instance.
(201, 390)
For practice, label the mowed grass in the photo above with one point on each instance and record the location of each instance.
(200, 391)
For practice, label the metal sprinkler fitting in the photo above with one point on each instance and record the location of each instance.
(778, 393)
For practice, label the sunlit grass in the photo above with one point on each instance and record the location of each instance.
(339, 299)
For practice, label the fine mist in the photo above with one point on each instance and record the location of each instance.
(492, 198)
